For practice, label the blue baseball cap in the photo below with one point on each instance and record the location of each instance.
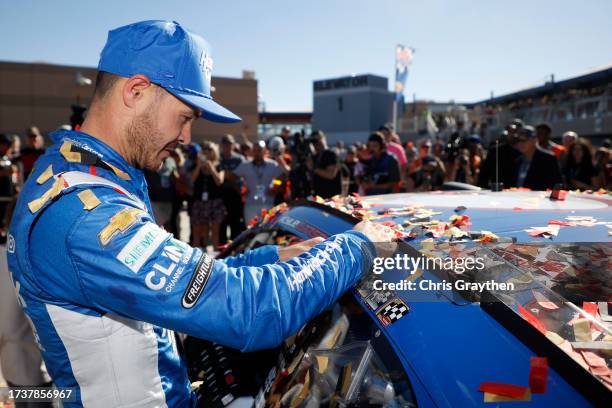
(170, 56)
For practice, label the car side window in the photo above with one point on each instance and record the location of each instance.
(339, 358)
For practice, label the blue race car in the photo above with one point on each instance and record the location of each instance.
(458, 337)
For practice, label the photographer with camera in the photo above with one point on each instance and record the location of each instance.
(429, 177)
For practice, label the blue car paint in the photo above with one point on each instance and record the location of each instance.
(449, 349)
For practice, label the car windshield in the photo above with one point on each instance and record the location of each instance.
(563, 290)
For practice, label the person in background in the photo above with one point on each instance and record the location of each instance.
(35, 147)
(543, 132)
(161, 191)
(15, 150)
(393, 147)
(536, 169)
(568, 139)
(505, 167)
(14, 155)
(411, 157)
(425, 148)
(258, 175)
(232, 199)
(20, 358)
(207, 211)
(285, 134)
(363, 154)
(8, 182)
(462, 171)
(429, 177)
(179, 194)
(184, 183)
(352, 164)
(382, 173)
(302, 167)
(438, 149)
(278, 152)
(329, 175)
(579, 171)
(246, 150)
(475, 154)
(603, 168)
(516, 124)
(340, 150)
(318, 140)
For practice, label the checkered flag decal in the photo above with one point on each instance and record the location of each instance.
(394, 311)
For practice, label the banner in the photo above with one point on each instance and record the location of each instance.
(403, 58)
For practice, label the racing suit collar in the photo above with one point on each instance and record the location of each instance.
(137, 181)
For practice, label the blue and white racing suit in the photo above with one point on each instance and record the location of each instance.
(104, 286)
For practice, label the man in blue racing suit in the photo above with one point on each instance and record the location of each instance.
(104, 286)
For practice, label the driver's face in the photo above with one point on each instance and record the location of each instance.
(154, 134)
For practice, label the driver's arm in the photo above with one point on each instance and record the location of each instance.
(145, 274)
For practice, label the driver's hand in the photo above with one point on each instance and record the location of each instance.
(294, 250)
(383, 237)
(375, 232)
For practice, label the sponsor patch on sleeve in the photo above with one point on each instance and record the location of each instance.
(141, 246)
(198, 281)
(122, 221)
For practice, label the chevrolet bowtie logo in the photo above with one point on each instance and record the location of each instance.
(120, 222)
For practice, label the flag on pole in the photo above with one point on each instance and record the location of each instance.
(403, 58)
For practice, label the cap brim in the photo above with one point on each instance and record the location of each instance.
(211, 110)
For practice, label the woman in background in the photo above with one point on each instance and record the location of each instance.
(579, 171)
(208, 210)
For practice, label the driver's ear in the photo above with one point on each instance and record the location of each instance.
(133, 90)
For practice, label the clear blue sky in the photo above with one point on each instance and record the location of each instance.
(464, 49)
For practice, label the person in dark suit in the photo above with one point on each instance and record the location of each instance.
(536, 168)
(502, 170)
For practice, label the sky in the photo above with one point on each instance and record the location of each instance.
(464, 49)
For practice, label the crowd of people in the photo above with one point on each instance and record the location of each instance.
(226, 185)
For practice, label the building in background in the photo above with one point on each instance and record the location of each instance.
(429, 119)
(43, 94)
(271, 123)
(582, 104)
(349, 108)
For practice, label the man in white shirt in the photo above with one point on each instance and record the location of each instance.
(259, 175)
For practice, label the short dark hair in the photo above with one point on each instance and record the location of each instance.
(378, 138)
(544, 126)
(5, 139)
(104, 83)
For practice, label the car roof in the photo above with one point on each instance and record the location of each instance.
(464, 345)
